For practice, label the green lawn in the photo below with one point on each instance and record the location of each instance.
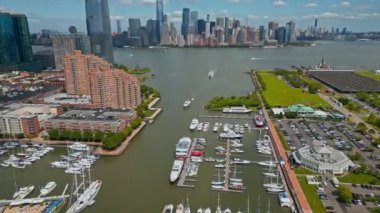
(283, 141)
(369, 74)
(310, 192)
(303, 171)
(357, 178)
(278, 93)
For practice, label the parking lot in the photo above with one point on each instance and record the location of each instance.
(340, 135)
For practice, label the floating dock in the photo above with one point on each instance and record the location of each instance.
(182, 178)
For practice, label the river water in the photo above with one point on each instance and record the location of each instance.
(137, 181)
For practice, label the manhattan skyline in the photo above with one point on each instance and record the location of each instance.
(356, 15)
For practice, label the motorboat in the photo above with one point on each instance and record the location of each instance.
(194, 124)
(273, 185)
(206, 126)
(236, 179)
(235, 109)
(270, 174)
(275, 190)
(200, 126)
(176, 170)
(60, 164)
(200, 210)
(208, 210)
(217, 187)
(49, 187)
(240, 161)
(23, 192)
(79, 147)
(259, 121)
(168, 208)
(227, 210)
(229, 135)
(266, 163)
(237, 151)
(219, 166)
(187, 103)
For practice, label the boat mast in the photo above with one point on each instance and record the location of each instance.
(268, 206)
(187, 200)
(218, 201)
(258, 205)
(248, 204)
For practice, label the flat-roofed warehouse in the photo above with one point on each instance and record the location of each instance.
(346, 81)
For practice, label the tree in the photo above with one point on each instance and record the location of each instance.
(87, 135)
(291, 114)
(362, 96)
(98, 136)
(64, 135)
(344, 193)
(53, 134)
(136, 122)
(76, 135)
(355, 156)
(361, 127)
(343, 100)
(375, 210)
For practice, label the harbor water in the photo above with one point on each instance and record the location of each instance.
(137, 181)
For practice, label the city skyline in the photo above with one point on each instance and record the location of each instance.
(355, 15)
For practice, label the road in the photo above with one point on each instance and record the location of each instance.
(364, 105)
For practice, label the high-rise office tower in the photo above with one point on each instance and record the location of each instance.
(226, 26)
(93, 76)
(99, 28)
(201, 26)
(315, 23)
(208, 18)
(118, 26)
(194, 21)
(272, 27)
(281, 35)
(134, 27)
(159, 17)
(220, 22)
(15, 46)
(151, 26)
(291, 32)
(262, 31)
(185, 22)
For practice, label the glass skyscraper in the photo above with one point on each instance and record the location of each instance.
(99, 28)
(15, 47)
(159, 17)
(185, 22)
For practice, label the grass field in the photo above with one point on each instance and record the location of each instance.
(357, 178)
(369, 74)
(303, 171)
(311, 196)
(278, 93)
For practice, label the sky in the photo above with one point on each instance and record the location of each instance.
(356, 15)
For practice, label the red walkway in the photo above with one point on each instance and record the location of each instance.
(290, 176)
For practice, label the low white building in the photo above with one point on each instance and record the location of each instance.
(322, 159)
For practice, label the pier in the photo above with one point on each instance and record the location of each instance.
(182, 178)
(230, 116)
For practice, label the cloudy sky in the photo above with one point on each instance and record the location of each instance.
(356, 15)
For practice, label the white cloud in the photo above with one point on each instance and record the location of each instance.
(126, 2)
(148, 1)
(233, 1)
(328, 15)
(345, 4)
(311, 5)
(6, 10)
(279, 3)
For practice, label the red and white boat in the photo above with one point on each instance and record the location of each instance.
(259, 121)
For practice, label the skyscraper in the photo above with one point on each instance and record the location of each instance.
(15, 47)
(272, 28)
(99, 28)
(194, 21)
(291, 32)
(159, 17)
(134, 27)
(281, 35)
(118, 26)
(93, 76)
(185, 22)
(315, 23)
(62, 44)
(262, 36)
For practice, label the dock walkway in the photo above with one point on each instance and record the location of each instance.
(182, 177)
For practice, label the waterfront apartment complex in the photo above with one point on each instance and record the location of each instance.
(91, 120)
(26, 119)
(89, 75)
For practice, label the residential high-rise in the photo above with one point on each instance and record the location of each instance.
(93, 76)
(99, 28)
(272, 27)
(118, 26)
(15, 46)
(185, 22)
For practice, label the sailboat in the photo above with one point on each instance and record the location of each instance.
(218, 208)
(187, 209)
(217, 182)
(270, 173)
(179, 208)
(274, 185)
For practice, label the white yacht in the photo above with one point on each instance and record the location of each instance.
(86, 198)
(227, 211)
(266, 163)
(200, 210)
(206, 126)
(230, 135)
(194, 124)
(187, 103)
(179, 208)
(168, 208)
(200, 126)
(79, 147)
(270, 174)
(48, 188)
(23, 192)
(241, 109)
(208, 210)
(176, 170)
(182, 147)
(276, 190)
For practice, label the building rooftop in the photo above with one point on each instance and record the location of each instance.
(95, 115)
(63, 98)
(300, 108)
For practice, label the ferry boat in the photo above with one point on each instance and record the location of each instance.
(182, 148)
(48, 188)
(176, 170)
(187, 103)
(241, 109)
(86, 198)
(259, 121)
(194, 124)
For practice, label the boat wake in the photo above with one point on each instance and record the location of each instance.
(258, 58)
(211, 74)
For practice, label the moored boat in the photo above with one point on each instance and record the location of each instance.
(23, 192)
(176, 170)
(168, 208)
(236, 109)
(186, 103)
(194, 124)
(49, 187)
(259, 121)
